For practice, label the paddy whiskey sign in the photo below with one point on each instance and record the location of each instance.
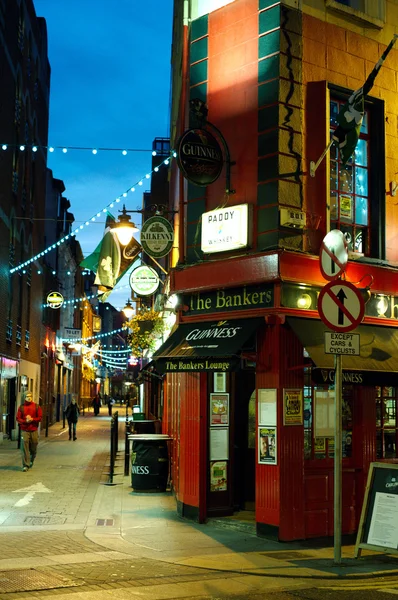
(226, 229)
(199, 157)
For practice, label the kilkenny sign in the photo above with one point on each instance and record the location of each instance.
(246, 298)
(199, 156)
(157, 236)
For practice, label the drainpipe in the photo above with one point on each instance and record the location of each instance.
(183, 103)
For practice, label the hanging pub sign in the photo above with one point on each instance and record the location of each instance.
(225, 229)
(55, 300)
(199, 157)
(157, 236)
(144, 280)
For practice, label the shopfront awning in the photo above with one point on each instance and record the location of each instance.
(205, 346)
(378, 346)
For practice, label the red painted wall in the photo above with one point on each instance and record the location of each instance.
(232, 95)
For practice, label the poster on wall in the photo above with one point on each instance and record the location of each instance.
(293, 407)
(219, 443)
(267, 407)
(218, 476)
(219, 409)
(220, 382)
(267, 445)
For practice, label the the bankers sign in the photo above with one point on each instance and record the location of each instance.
(157, 237)
(199, 156)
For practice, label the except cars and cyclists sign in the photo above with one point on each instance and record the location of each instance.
(341, 306)
(333, 257)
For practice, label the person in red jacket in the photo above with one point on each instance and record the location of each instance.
(29, 416)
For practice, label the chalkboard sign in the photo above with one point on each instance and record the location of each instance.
(378, 527)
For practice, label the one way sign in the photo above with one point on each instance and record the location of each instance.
(341, 306)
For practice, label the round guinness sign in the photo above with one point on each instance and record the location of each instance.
(157, 236)
(199, 157)
(55, 300)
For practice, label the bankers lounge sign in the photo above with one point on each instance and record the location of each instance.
(230, 299)
(199, 157)
(225, 229)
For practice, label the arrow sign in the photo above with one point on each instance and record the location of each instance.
(341, 296)
(341, 306)
(30, 492)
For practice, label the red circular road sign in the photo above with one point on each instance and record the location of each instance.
(333, 257)
(341, 306)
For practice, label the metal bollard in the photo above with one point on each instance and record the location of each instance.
(19, 437)
(47, 424)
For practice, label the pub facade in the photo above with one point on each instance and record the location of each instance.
(248, 389)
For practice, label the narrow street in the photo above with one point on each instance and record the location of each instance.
(64, 533)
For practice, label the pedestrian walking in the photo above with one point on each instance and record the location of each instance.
(110, 405)
(96, 405)
(29, 415)
(72, 413)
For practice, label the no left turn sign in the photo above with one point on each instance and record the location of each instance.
(341, 306)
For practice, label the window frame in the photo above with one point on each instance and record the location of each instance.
(377, 176)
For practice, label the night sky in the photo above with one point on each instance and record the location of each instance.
(110, 88)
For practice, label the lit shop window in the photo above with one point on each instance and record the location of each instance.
(319, 421)
(349, 188)
(386, 422)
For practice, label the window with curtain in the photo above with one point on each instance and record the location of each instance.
(349, 188)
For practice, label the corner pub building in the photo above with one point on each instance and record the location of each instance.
(248, 389)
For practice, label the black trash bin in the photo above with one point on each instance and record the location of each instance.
(149, 463)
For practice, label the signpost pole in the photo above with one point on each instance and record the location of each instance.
(337, 457)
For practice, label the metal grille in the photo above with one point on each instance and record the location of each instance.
(30, 580)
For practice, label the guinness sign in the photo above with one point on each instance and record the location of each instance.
(199, 157)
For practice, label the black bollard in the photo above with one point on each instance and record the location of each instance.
(19, 437)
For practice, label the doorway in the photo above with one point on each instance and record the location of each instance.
(244, 438)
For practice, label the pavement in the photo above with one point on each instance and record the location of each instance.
(64, 527)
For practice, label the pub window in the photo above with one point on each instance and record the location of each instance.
(386, 422)
(356, 188)
(319, 411)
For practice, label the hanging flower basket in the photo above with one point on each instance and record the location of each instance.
(145, 328)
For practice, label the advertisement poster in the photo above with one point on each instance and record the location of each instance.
(218, 476)
(293, 407)
(319, 445)
(219, 442)
(383, 529)
(219, 409)
(267, 406)
(324, 413)
(219, 382)
(267, 445)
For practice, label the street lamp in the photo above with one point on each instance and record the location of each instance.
(124, 229)
(128, 310)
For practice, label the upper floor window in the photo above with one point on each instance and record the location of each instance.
(349, 188)
(357, 189)
(371, 13)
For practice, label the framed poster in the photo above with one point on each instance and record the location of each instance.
(267, 446)
(293, 407)
(219, 439)
(218, 476)
(267, 407)
(219, 409)
(219, 382)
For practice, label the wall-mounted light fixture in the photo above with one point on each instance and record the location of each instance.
(304, 301)
(124, 229)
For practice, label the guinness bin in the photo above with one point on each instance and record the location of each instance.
(149, 463)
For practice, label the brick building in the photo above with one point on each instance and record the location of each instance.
(273, 77)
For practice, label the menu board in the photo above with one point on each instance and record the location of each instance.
(378, 527)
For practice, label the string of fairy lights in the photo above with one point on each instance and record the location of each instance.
(92, 219)
(65, 149)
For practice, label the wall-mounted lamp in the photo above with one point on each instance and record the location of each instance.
(304, 301)
(124, 229)
(382, 305)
